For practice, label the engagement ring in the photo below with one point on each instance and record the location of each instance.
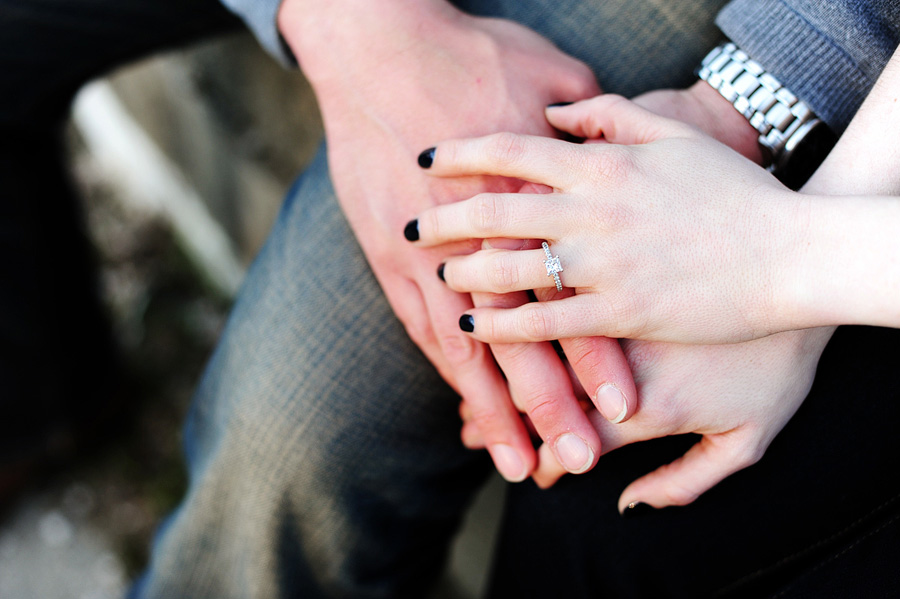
(553, 266)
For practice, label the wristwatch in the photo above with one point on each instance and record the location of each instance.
(793, 139)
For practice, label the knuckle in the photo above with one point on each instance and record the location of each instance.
(431, 225)
(458, 349)
(541, 407)
(585, 81)
(745, 455)
(665, 417)
(536, 322)
(616, 163)
(504, 149)
(488, 419)
(676, 494)
(504, 273)
(487, 214)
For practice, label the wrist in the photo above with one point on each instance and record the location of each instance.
(333, 35)
(724, 123)
(849, 269)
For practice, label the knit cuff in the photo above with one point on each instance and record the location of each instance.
(804, 59)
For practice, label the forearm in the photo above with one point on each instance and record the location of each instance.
(848, 271)
(867, 158)
(850, 258)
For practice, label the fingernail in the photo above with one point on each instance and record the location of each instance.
(636, 509)
(441, 273)
(611, 403)
(509, 464)
(559, 104)
(426, 158)
(573, 453)
(411, 230)
(467, 323)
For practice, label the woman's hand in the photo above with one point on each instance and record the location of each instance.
(640, 230)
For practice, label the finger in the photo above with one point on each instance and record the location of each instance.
(408, 304)
(500, 271)
(601, 366)
(480, 383)
(540, 387)
(582, 315)
(616, 119)
(707, 463)
(471, 436)
(537, 159)
(489, 215)
(548, 470)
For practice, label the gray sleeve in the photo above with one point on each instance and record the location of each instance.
(828, 53)
(260, 17)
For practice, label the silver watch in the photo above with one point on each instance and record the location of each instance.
(792, 137)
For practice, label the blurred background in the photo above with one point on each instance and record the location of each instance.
(182, 161)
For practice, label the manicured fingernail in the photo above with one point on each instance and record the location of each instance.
(426, 158)
(573, 453)
(441, 273)
(636, 509)
(611, 403)
(509, 464)
(467, 323)
(559, 104)
(411, 230)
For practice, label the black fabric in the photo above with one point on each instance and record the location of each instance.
(57, 363)
(816, 517)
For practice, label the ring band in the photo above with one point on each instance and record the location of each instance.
(553, 266)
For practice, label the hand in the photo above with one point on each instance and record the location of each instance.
(391, 78)
(703, 107)
(699, 105)
(638, 228)
(737, 396)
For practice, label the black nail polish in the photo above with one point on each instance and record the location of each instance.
(636, 510)
(572, 139)
(559, 104)
(426, 158)
(441, 273)
(411, 230)
(467, 323)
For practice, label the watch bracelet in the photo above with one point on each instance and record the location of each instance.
(772, 109)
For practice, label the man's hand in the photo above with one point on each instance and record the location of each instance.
(705, 108)
(737, 396)
(392, 78)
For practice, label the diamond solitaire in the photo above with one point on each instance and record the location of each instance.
(553, 266)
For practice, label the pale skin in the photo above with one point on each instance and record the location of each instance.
(815, 260)
(652, 235)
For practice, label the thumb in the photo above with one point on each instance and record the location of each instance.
(710, 461)
(614, 119)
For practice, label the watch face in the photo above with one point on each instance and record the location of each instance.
(800, 162)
